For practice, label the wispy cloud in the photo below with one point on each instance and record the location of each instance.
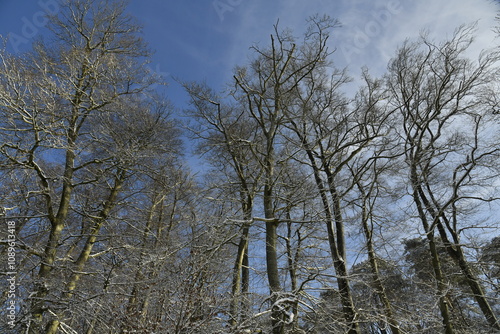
(371, 30)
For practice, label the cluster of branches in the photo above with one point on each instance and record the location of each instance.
(320, 212)
(409, 165)
(106, 215)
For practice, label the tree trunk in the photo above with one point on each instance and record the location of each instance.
(335, 240)
(436, 263)
(379, 287)
(455, 251)
(89, 244)
(337, 237)
(49, 256)
(293, 258)
(372, 258)
(239, 284)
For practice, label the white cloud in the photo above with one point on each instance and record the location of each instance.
(371, 30)
(439, 17)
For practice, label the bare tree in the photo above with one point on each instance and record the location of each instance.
(305, 190)
(229, 138)
(331, 134)
(265, 89)
(53, 101)
(438, 92)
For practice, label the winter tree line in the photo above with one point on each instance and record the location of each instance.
(322, 211)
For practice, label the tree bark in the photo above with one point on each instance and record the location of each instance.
(377, 281)
(89, 244)
(436, 262)
(336, 236)
(239, 286)
(334, 229)
(454, 249)
(57, 224)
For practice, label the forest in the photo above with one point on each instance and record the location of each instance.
(321, 209)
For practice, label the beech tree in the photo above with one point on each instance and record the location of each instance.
(229, 138)
(320, 211)
(76, 118)
(267, 88)
(447, 148)
(332, 135)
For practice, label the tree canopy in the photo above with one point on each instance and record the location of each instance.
(321, 211)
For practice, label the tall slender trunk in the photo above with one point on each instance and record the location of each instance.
(132, 304)
(239, 286)
(268, 164)
(337, 236)
(272, 223)
(89, 244)
(454, 249)
(436, 262)
(58, 220)
(273, 276)
(245, 283)
(293, 258)
(476, 287)
(57, 224)
(377, 281)
(240, 283)
(335, 232)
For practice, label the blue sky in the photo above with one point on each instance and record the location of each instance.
(204, 40)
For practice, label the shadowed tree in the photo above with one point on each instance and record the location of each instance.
(265, 88)
(229, 138)
(449, 153)
(76, 118)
